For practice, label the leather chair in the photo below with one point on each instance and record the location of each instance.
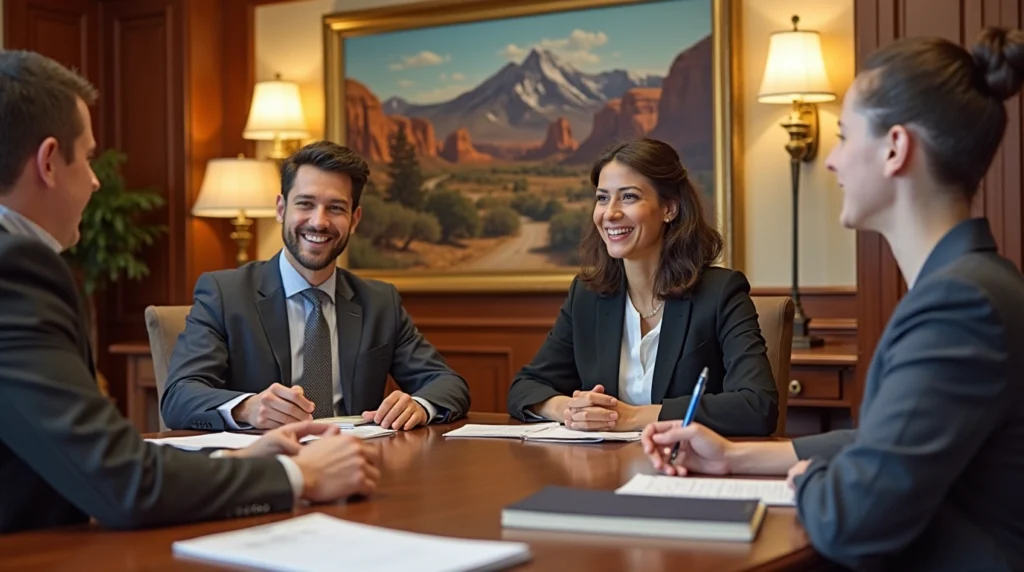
(775, 316)
(164, 323)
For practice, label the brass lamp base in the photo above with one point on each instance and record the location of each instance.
(283, 148)
(242, 237)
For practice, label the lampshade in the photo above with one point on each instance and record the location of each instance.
(276, 111)
(238, 186)
(795, 70)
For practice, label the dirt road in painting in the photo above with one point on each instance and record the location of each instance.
(516, 253)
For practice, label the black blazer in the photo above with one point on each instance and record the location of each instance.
(931, 477)
(65, 450)
(714, 325)
(236, 341)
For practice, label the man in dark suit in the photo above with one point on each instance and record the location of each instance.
(296, 338)
(65, 451)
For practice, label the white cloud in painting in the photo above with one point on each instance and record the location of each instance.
(406, 83)
(575, 48)
(458, 76)
(439, 94)
(420, 60)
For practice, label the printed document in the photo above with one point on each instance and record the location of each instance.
(545, 432)
(226, 440)
(771, 492)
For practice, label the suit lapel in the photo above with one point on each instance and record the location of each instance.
(349, 321)
(674, 325)
(611, 311)
(273, 312)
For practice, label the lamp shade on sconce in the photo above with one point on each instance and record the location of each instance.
(795, 69)
(238, 187)
(276, 112)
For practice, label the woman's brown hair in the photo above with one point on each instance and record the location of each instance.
(689, 244)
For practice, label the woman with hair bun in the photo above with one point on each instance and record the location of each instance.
(930, 479)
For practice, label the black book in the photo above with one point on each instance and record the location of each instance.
(604, 512)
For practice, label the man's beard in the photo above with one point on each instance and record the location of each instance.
(291, 242)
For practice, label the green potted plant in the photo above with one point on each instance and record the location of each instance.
(112, 237)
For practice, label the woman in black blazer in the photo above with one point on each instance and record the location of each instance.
(649, 312)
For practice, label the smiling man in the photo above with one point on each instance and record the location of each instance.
(296, 338)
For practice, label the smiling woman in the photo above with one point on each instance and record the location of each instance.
(649, 312)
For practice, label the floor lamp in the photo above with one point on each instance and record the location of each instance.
(795, 75)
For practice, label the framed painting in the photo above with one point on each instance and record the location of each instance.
(480, 120)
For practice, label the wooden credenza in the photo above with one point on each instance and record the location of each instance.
(823, 381)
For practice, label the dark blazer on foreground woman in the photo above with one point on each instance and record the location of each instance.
(714, 325)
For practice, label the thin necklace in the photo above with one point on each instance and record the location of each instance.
(654, 311)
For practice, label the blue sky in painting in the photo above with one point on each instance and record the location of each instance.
(435, 64)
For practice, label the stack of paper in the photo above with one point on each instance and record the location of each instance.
(225, 440)
(320, 542)
(546, 432)
(344, 421)
(770, 492)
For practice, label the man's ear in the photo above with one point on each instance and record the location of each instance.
(280, 208)
(898, 147)
(46, 154)
(357, 215)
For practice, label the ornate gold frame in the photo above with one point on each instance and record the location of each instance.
(728, 143)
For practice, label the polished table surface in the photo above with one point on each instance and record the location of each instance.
(451, 487)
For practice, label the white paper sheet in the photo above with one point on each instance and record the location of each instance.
(771, 492)
(317, 541)
(226, 440)
(546, 432)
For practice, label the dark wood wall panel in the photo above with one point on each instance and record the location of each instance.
(877, 23)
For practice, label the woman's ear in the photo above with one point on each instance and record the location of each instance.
(671, 212)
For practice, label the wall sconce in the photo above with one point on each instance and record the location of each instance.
(276, 115)
(795, 75)
(239, 188)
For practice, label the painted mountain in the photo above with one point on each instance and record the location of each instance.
(543, 108)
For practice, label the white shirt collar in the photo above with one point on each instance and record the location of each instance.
(294, 283)
(16, 223)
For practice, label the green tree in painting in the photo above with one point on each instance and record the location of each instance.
(404, 170)
(457, 215)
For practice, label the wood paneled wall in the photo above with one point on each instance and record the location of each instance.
(879, 22)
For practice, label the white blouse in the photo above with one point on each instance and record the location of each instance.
(636, 358)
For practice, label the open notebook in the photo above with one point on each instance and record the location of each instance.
(771, 492)
(225, 440)
(545, 432)
(317, 541)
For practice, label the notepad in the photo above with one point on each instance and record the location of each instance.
(344, 421)
(315, 542)
(591, 511)
(544, 432)
(771, 492)
(226, 440)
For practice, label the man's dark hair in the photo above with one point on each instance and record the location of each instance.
(38, 99)
(327, 156)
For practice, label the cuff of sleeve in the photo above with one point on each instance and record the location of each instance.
(225, 412)
(294, 476)
(531, 416)
(429, 407)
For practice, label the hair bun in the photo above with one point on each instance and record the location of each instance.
(999, 56)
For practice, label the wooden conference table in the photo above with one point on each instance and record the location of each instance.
(451, 487)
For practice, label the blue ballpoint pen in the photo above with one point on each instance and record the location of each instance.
(698, 391)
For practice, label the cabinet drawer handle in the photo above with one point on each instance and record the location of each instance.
(795, 387)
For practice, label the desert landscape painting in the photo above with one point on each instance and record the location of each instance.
(480, 136)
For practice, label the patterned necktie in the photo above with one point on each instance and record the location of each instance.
(317, 381)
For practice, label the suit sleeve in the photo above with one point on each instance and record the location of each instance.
(420, 370)
(749, 402)
(198, 372)
(53, 417)
(553, 370)
(943, 392)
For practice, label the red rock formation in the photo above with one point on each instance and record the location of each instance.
(558, 141)
(506, 151)
(418, 130)
(604, 133)
(366, 123)
(639, 112)
(685, 120)
(458, 148)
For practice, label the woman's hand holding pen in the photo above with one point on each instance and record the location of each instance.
(701, 450)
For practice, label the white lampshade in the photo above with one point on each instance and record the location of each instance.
(795, 70)
(242, 186)
(276, 112)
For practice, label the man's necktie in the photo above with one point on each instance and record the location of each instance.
(317, 382)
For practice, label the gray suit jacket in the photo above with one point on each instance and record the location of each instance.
(65, 451)
(236, 341)
(931, 479)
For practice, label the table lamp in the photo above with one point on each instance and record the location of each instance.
(276, 115)
(795, 75)
(241, 189)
